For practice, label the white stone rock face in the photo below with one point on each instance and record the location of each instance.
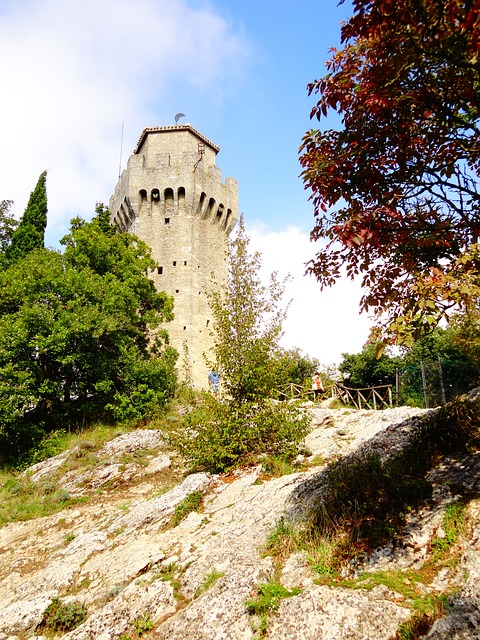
(118, 554)
(133, 441)
(324, 613)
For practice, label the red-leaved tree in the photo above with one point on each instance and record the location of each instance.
(395, 189)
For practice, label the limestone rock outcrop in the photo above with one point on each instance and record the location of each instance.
(138, 574)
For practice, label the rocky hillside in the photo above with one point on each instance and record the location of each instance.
(151, 553)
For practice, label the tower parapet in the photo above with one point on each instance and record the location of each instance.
(171, 195)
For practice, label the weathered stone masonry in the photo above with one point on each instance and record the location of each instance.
(171, 195)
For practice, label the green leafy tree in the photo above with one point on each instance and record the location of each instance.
(296, 367)
(395, 188)
(467, 338)
(247, 324)
(218, 435)
(450, 352)
(448, 357)
(75, 336)
(30, 233)
(8, 224)
(366, 369)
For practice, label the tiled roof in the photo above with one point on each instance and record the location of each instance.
(175, 127)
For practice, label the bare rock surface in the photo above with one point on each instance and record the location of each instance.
(120, 556)
(323, 613)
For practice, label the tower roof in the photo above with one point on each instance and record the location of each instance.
(168, 129)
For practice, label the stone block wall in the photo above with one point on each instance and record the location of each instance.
(172, 196)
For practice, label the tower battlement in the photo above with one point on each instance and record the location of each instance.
(171, 195)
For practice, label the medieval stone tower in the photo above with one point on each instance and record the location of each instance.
(171, 195)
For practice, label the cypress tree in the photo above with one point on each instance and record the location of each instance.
(30, 233)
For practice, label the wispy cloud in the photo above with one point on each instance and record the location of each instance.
(72, 72)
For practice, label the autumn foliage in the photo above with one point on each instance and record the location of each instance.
(395, 188)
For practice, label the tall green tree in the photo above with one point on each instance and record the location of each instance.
(8, 224)
(448, 356)
(395, 187)
(466, 328)
(76, 336)
(30, 233)
(247, 324)
(365, 369)
(453, 350)
(296, 367)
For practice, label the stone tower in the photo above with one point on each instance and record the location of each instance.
(171, 195)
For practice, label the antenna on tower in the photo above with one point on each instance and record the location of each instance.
(178, 116)
(121, 149)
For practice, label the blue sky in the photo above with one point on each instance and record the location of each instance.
(74, 72)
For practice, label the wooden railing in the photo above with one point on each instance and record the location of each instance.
(294, 392)
(368, 398)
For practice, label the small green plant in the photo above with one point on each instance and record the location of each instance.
(114, 592)
(50, 445)
(284, 539)
(406, 583)
(69, 537)
(142, 625)
(21, 499)
(172, 573)
(317, 461)
(61, 496)
(336, 403)
(208, 581)
(453, 525)
(192, 502)
(62, 617)
(139, 456)
(277, 466)
(267, 600)
(323, 554)
(185, 394)
(427, 610)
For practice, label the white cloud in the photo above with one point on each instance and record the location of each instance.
(72, 72)
(324, 324)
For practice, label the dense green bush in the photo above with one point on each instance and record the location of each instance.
(76, 336)
(217, 436)
(62, 617)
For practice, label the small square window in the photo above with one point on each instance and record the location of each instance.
(185, 263)
(160, 271)
(177, 290)
(184, 328)
(174, 263)
(167, 220)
